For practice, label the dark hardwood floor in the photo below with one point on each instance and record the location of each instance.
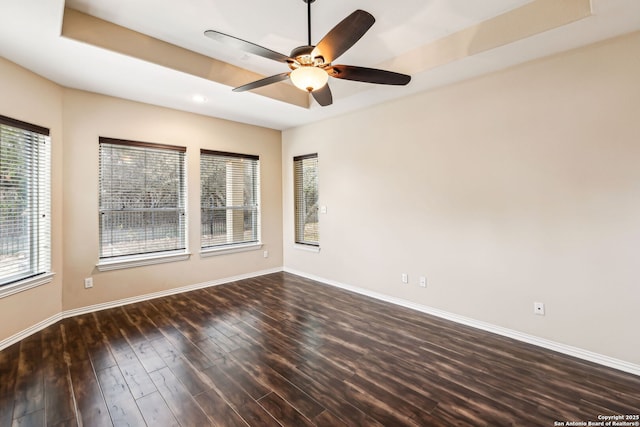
(283, 350)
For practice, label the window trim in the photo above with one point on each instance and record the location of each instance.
(25, 284)
(149, 258)
(230, 248)
(307, 248)
(131, 261)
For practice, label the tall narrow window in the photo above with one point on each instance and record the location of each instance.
(229, 199)
(25, 186)
(142, 198)
(305, 177)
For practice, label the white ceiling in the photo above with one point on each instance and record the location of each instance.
(30, 36)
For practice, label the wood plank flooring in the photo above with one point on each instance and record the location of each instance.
(280, 350)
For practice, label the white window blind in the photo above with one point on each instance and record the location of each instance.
(229, 198)
(142, 198)
(25, 187)
(305, 177)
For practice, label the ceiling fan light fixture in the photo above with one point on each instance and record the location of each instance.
(311, 65)
(309, 78)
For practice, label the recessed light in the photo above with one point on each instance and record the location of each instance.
(199, 99)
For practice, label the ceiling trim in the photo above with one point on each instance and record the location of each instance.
(97, 32)
(533, 18)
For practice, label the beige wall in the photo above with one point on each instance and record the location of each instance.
(84, 117)
(88, 116)
(516, 187)
(30, 98)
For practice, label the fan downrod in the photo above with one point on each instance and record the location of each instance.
(308, 2)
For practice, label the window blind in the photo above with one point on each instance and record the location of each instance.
(142, 198)
(229, 198)
(305, 177)
(25, 201)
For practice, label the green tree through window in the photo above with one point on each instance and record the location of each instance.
(142, 198)
(25, 226)
(305, 171)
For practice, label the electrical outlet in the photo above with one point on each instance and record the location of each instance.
(88, 282)
(265, 254)
(405, 278)
(538, 308)
(423, 282)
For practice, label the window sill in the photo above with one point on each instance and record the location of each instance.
(231, 249)
(23, 285)
(307, 248)
(139, 261)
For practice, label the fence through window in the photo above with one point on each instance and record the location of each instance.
(229, 199)
(142, 198)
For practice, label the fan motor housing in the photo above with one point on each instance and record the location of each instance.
(302, 56)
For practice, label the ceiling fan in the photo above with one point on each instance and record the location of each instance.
(311, 65)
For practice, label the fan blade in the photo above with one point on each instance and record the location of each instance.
(344, 35)
(368, 75)
(246, 46)
(323, 95)
(262, 82)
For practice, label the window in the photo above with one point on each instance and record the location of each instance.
(305, 177)
(142, 199)
(229, 199)
(25, 181)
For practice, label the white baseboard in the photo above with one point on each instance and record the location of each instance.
(510, 333)
(30, 331)
(160, 294)
(112, 304)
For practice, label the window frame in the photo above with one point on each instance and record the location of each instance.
(207, 250)
(301, 242)
(113, 262)
(37, 189)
